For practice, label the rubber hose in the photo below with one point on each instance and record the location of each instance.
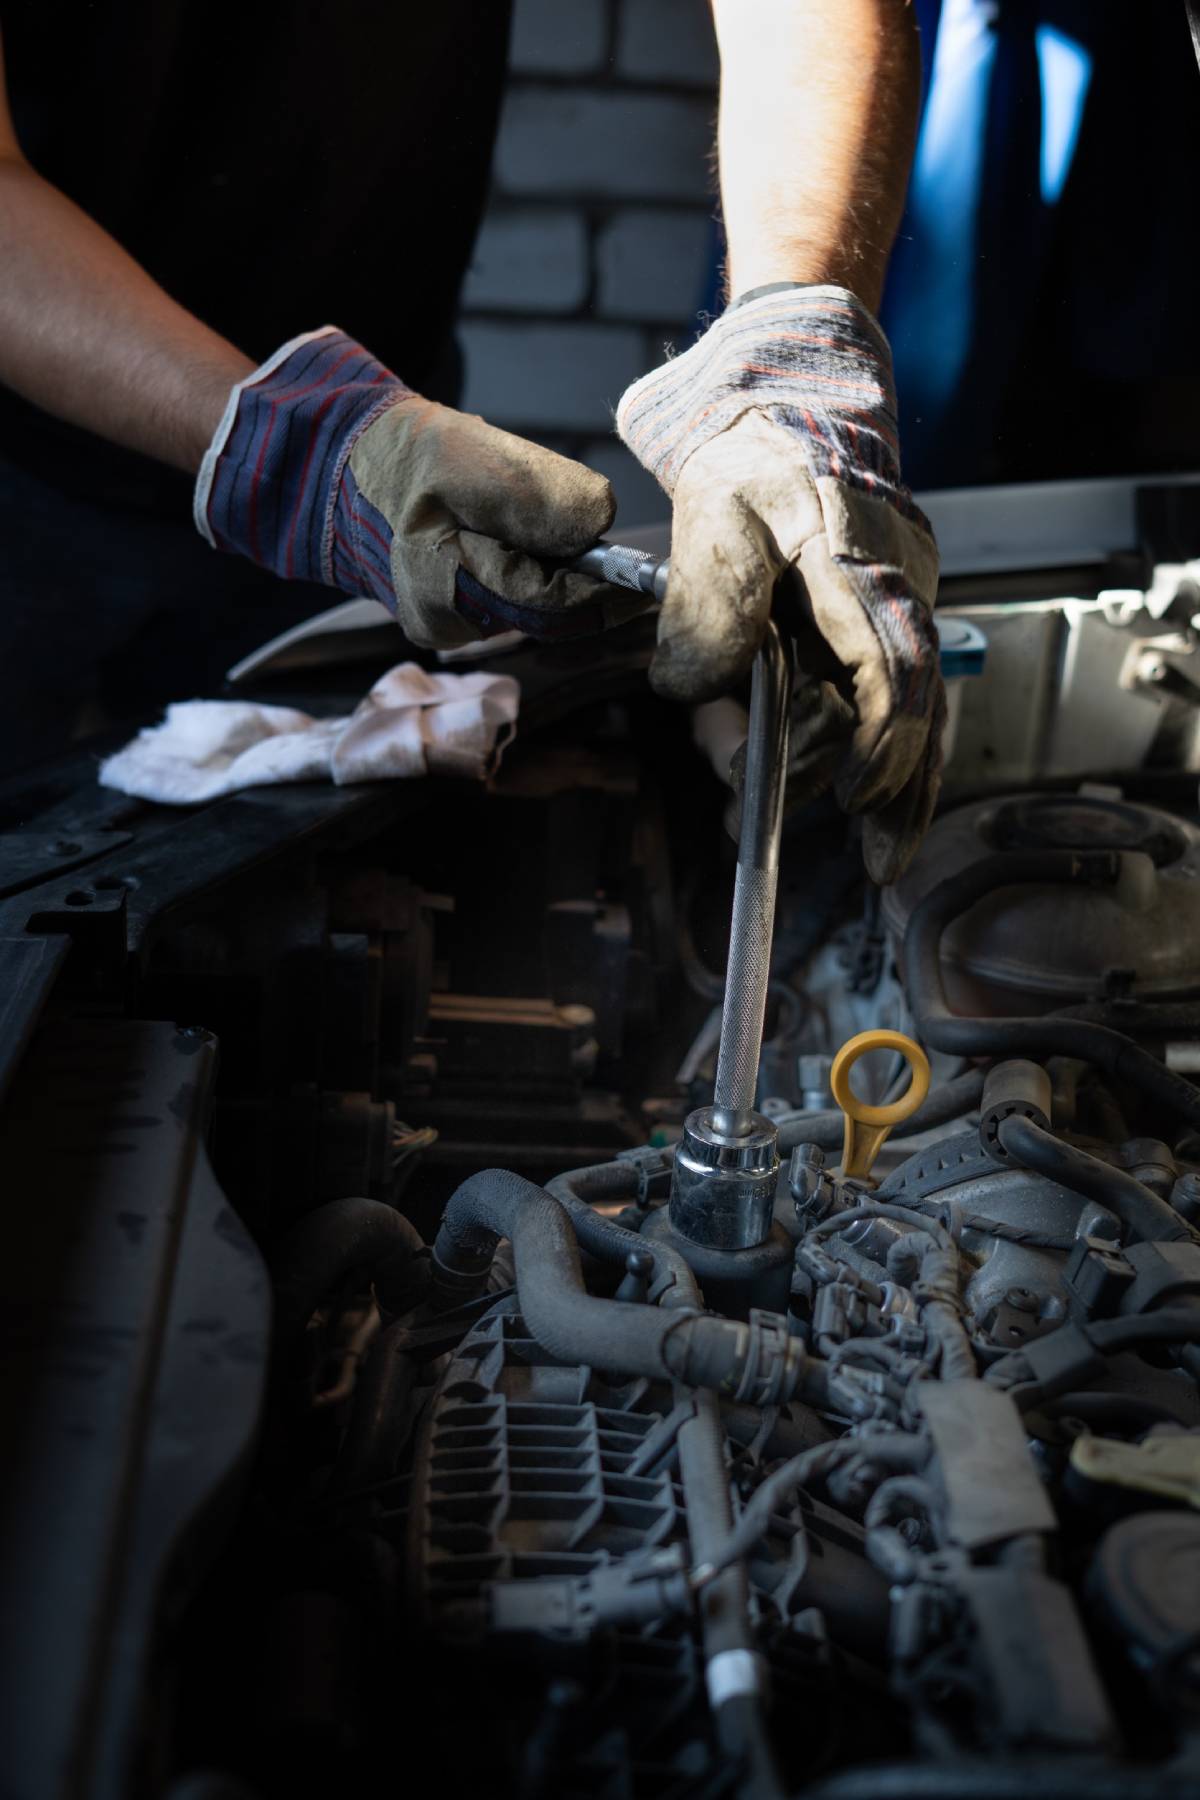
(573, 1325)
(604, 1239)
(1173, 1325)
(1178, 1019)
(705, 1480)
(1143, 1213)
(598, 1184)
(329, 1244)
(938, 1028)
(725, 1603)
(589, 1187)
(940, 1106)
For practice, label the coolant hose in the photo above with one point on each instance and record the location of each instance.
(733, 1670)
(938, 1028)
(609, 1242)
(597, 1184)
(661, 1343)
(1171, 1325)
(942, 1104)
(1138, 1208)
(329, 1244)
(577, 1192)
(580, 1190)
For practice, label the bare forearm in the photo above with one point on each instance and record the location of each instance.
(86, 334)
(818, 113)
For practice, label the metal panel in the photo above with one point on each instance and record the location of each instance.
(134, 1321)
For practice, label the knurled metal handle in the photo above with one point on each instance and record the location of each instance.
(625, 567)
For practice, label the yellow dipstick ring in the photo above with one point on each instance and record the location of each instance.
(867, 1126)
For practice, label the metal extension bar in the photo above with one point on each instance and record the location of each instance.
(755, 886)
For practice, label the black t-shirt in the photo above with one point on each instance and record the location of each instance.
(276, 165)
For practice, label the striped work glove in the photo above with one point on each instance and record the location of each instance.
(775, 435)
(327, 468)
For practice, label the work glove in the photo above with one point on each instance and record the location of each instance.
(327, 468)
(775, 436)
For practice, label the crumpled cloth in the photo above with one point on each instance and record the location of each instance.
(411, 723)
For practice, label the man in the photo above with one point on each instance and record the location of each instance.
(184, 186)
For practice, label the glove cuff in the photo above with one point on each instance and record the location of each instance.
(812, 355)
(274, 483)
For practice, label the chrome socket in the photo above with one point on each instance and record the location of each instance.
(722, 1186)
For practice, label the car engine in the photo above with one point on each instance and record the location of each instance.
(407, 1375)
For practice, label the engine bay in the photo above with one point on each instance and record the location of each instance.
(379, 1410)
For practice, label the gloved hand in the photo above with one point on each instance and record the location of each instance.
(327, 468)
(775, 435)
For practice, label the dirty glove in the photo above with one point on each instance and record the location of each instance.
(775, 435)
(327, 468)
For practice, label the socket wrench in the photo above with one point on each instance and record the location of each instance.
(727, 1161)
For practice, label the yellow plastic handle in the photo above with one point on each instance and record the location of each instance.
(867, 1126)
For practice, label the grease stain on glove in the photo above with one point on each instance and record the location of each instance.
(775, 435)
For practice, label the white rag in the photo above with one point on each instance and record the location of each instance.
(411, 723)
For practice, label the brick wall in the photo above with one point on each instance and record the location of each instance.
(597, 247)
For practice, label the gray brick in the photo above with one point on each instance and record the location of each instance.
(667, 40)
(534, 260)
(558, 37)
(653, 264)
(640, 500)
(553, 377)
(592, 142)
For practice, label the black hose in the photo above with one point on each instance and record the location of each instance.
(938, 1028)
(575, 1326)
(598, 1184)
(950, 1101)
(1143, 1213)
(580, 1189)
(1173, 1325)
(1176, 1019)
(725, 1602)
(331, 1242)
